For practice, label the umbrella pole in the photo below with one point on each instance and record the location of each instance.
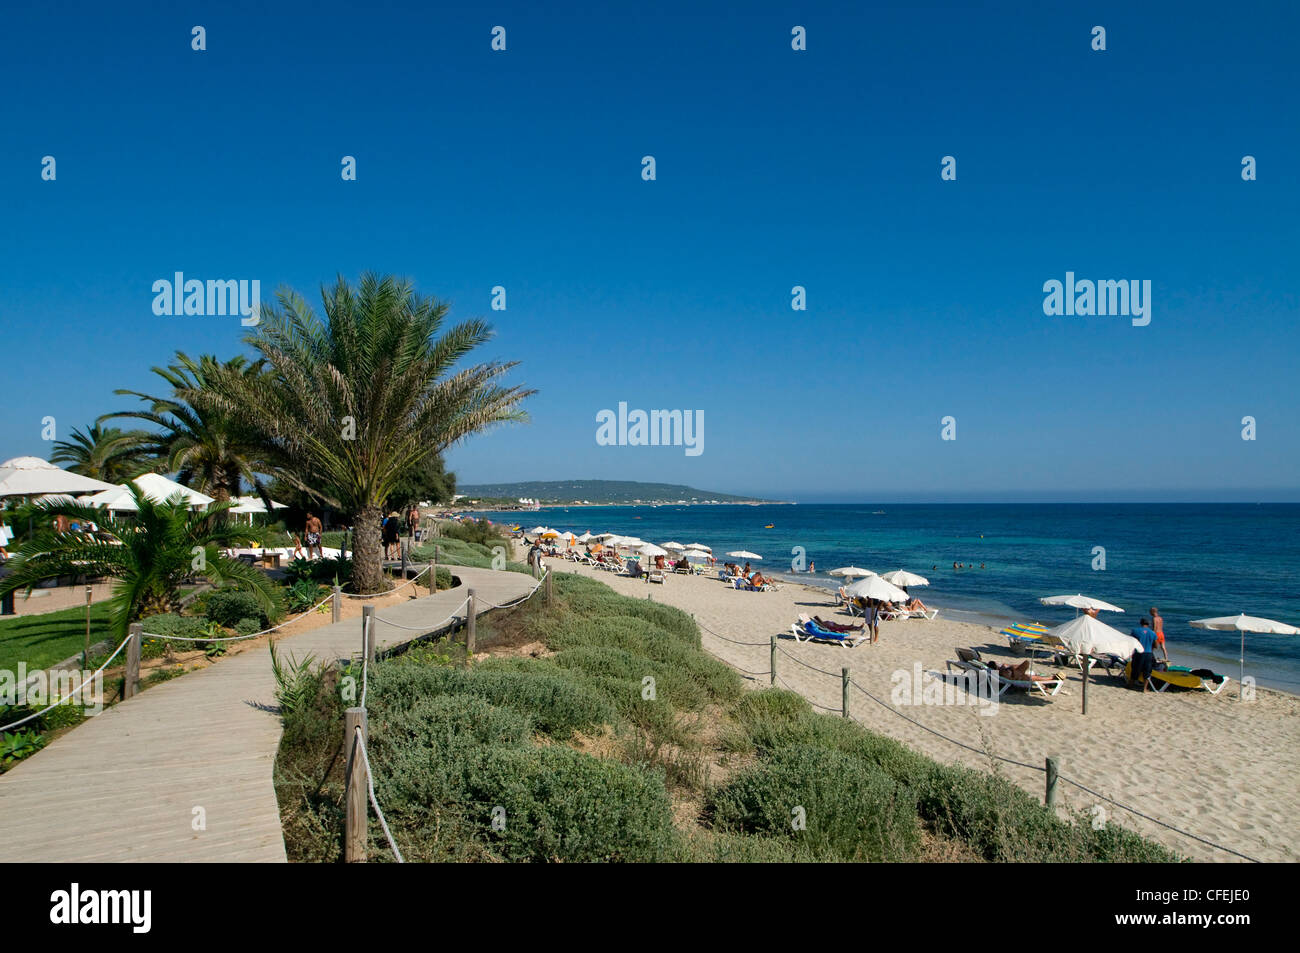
(1087, 664)
(1241, 672)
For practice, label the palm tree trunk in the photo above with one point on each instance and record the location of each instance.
(367, 560)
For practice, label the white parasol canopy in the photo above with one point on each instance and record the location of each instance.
(675, 547)
(1079, 602)
(744, 554)
(901, 577)
(252, 504)
(32, 476)
(586, 538)
(1244, 624)
(700, 547)
(1085, 635)
(848, 572)
(874, 587)
(155, 486)
(650, 549)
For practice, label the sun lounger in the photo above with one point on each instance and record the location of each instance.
(1180, 676)
(812, 632)
(656, 575)
(832, 626)
(969, 661)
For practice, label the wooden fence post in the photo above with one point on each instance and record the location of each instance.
(433, 578)
(85, 652)
(356, 827)
(773, 665)
(368, 633)
(406, 548)
(1053, 772)
(336, 607)
(470, 631)
(844, 691)
(132, 683)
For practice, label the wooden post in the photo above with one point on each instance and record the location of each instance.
(470, 632)
(132, 683)
(433, 578)
(85, 652)
(368, 632)
(336, 604)
(844, 691)
(550, 594)
(405, 550)
(773, 665)
(1087, 664)
(1053, 772)
(356, 832)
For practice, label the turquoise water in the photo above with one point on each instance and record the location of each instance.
(1190, 560)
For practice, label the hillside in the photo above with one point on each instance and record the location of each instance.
(597, 491)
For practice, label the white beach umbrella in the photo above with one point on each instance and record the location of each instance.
(32, 476)
(537, 530)
(901, 577)
(586, 538)
(744, 554)
(675, 547)
(1079, 602)
(1244, 624)
(873, 587)
(848, 572)
(1086, 635)
(252, 504)
(697, 554)
(700, 547)
(650, 549)
(156, 487)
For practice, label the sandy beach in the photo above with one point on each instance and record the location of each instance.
(1212, 766)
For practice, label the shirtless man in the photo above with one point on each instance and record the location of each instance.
(313, 540)
(1158, 624)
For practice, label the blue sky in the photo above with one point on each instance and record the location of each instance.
(775, 168)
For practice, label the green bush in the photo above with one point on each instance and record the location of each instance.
(558, 704)
(850, 808)
(562, 805)
(483, 532)
(248, 626)
(190, 627)
(228, 606)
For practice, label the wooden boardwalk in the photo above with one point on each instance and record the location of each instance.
(125, 785)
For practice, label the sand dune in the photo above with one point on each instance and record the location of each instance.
(1221, 769)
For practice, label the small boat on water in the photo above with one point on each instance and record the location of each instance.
(770, 526)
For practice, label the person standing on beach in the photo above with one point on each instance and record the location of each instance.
(1144, 661)
(313, 529)
(873, 620)
(1158, 625)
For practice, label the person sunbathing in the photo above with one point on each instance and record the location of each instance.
(915, 605)
(757, 580)
(1020, 673)
(836, 626)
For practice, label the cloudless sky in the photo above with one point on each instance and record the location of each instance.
(775, 168)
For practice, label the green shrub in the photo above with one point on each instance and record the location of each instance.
(228, 606)
(850, 808)
(562, 805)
(248, 626)
(559, 704)
(190, 627)
(483, 532)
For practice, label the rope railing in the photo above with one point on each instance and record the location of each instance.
(953, 741)
(388, 592)
(352, 849)
(71, 694)
(239, 638)
(374, 801)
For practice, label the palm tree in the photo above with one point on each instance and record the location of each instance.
(149, 556)
(208, 449)
(359, 399)
(105, 453)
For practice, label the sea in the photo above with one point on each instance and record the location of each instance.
(1192, 561)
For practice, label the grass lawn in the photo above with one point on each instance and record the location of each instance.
(42, 640)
